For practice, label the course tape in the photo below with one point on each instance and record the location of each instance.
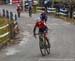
(4, 26)
(4, 35)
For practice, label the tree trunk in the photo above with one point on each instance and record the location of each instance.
(71, 11)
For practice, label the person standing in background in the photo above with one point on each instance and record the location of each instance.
(30, 3)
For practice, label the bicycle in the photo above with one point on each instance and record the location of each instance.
(44, 44)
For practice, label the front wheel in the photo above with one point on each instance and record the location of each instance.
(44, 47)
(48, 47)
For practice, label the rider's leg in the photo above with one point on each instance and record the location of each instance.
(46, 36)
(18, 14)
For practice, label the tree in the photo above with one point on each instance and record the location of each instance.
(71, 4)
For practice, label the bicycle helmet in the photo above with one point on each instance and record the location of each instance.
(18, 5)
(38, 19)
(43, 12)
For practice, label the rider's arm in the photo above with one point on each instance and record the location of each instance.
(34, 30)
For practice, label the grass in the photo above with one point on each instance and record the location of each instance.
(3, 22)
(70, 20)
(4, 39)
(2, 31)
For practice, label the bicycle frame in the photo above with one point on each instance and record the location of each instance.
(42, 39)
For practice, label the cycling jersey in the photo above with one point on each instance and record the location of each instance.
(40, 25)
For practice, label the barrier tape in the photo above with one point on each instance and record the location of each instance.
(63, 10)
(15, 26)
(4, 35)
(40, 7)
(62, 13)
(4, 26)
(51, 10)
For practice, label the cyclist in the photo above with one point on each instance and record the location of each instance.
(41, 25)
(43, 16)
(18, 10)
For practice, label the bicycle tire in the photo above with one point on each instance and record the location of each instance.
(42, 47)
(48, 47)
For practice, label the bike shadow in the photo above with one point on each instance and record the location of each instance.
(51, 55)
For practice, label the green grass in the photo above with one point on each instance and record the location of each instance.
(1, 21)
(4, 30)
(1, 31)
(4, 39)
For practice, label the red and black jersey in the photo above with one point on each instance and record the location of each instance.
(40, 25)
(18, 8)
